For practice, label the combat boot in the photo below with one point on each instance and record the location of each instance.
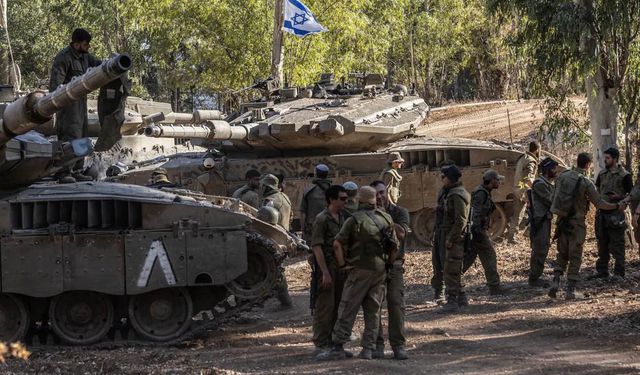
(570, 291)
(462, 299)
(451, 306)
(379, 352)
(555, 285)
(439, 295)
(400, 353)
(337, 352)
(365, 354)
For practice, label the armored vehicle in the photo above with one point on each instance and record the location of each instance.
(87, 262)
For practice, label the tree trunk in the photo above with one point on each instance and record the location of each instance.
(277, 50)
(603, 113)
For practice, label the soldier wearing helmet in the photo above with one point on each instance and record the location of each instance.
(160, 179)
(391, 176)
(211, 181)
(272, 196)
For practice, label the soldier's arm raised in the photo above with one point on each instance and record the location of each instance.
(460, 217)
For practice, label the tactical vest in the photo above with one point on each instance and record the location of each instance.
(367, 251)
(486, 209)
(567, 189)
(461, 192)
(611, 182)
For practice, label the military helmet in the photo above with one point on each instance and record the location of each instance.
(158, 171)
(160, 178)
(268, 214)
(270, 180)
(208, 163)
(393, 157)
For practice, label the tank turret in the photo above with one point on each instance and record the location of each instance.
(26, 156)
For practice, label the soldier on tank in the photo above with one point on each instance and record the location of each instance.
(573, 192)
(352, 196)
(211, 181)
(395, 278)
(273, 197)
(614, 184)
(453, 232)
(482, 207)
(160, 179)
(313, 200)
(525, 173)
(72, 122)
(329, 281)
(540, 221)
(365, 246)
(248, 193)
(391, 176)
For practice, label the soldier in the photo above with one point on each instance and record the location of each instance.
(313, 200)
(571, 197)
(159, 179)
(614, 184)
(526, 172)
(453, 227)
(72, 122)
(395, 279)
(634, 201)
(482, 207)
(273, 197)
(211, 181)
(352, 196)
(328, 281)
(391, 176)
(248, 193)
(359, 250)
(540, 223)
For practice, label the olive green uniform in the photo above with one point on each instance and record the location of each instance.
(395, 285)
(72, 122)
(482, 207)
(325, 229)
(456, 215)
(541, 195)
(438, 253)
(526, 168)
(634, 200)
(280, 202)
(571, 226)
(365, 282)
(392, 180)
(351, 206)
(247, 195)
(610, 224)
(313, 202)
(211, 183)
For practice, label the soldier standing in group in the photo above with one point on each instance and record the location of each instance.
(313, 200)
(453, 228)
(439, 250)
(540, 223)
(72, 121)
(391, 176)
(573, 192)
(525, 174)
(361, 249)
(482, 207)
(352, 196)
(248, 193)
(614, 184)
(211, 181)
(273, 197)
(395, 278)
(328, 281)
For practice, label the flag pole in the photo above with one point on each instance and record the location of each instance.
(277, 50)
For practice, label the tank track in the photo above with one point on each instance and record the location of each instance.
(125, 335)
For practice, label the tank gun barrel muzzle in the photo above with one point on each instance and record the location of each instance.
(38, 107)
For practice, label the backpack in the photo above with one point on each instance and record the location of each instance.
(566, 190)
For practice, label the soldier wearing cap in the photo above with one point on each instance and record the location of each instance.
(391, 176)
(525, 174)
(352, 196)
(482, 207)
(313, 200)
(614, 184)
(160, 179)
(273, 197)
(540, 221)
(451, 237)
(248, 193)
(359, 250)
(211, 181)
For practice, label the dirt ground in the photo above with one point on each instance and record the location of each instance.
(523, 333)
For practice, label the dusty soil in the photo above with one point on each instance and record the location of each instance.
(523, 333)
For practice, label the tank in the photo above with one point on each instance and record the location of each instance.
(352, 130)
(101, 263)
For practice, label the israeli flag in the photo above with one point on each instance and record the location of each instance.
(299, 20)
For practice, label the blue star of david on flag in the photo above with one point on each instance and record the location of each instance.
(299, 20)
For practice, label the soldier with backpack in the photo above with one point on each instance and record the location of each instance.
(313, 200)
(573, 192)
(526, 172)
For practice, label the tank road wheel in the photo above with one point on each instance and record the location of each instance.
(161, 315)
(81, 318)
(261, 275)
(498, 222)
(14, 318)
(423, 225)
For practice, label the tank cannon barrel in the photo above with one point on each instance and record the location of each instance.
(210, 130)
(38, 107)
